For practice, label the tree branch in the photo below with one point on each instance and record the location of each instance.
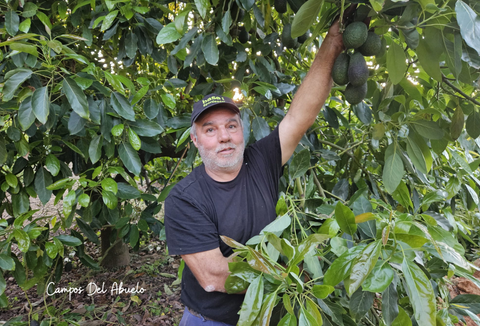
(458, 90)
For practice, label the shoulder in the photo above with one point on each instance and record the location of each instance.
(187, 186)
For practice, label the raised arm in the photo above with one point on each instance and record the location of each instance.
(311, 95)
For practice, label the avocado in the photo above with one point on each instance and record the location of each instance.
(340, 69)
(361, 13)
(357, 70)
(372, 46)
(304, 37)
(355, 35)
(280, 6)
(295, 4)
(355, 94)
(244, 36)
(287, 39)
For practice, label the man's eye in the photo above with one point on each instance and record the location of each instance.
(232, 126)
(209, 129)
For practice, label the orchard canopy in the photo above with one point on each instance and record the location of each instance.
(95, 107)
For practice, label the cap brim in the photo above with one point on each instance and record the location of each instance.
(226, 105)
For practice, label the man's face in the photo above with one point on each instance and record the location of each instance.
(219, 139)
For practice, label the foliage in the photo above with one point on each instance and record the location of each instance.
(97, 95)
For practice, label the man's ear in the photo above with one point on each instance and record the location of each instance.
(194, 139)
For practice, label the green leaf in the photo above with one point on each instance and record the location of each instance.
(380, 278)
(84, 200)
(267, 309)
(110, 185)
(141, 93)
(43, 179)
(168, 100)
(306, 319)
(252, 303)
(168, 34)
(419, 153)
(322, 291)
(458, 122)
(131, 45)
(428, 129)
(340, 268)
(52, 164)
(260, 128)
(68, 202)
(134, 139)
(203, 7)
(134, 235)
(11, 22)
(76, 97)
(6, 262)
(26, 117)
(23, 47)
(130, 158)
(68, 240)
(11, 180)
(288, 320)
(23, 241)
(377, 5)
(3, 151)
(278, 225)
(469, 23)
(473, 124)
(151, 109)
(121, 105)
(306, 17)
(396, 63)
(393, 171)
(299, 165)
(109, 199)
(14, 82)
(125, 191)
(420, 293)
(429, 59)
(45, 20)
(360, 303)
(29, 10)
(20, 203)
(59, 184)
(210, 49)
(3, 298)
(402, 195)
(95, 148)
(403, 319)
(109, 19)
(363, 265)
(51, 249)
(345, 219)
(118, 130)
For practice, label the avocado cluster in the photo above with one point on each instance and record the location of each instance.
(351, 68)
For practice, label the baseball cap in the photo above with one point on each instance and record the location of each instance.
(211, 101)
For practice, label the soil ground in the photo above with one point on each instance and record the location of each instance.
(152, 299)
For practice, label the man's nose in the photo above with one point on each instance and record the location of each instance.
(223, 135)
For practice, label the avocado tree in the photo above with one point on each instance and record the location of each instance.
(96, 102)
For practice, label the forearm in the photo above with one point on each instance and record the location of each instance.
(210, 269)
(316, 86)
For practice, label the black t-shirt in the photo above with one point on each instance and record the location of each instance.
(199, 209)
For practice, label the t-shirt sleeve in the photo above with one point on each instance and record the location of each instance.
(188, 229)
(271, 152)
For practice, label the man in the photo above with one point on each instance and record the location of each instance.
(235, 190)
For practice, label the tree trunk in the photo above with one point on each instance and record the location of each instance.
(117, 256)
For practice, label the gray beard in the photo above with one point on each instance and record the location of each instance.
(212, 163)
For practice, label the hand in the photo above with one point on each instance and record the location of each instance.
(334, 39)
